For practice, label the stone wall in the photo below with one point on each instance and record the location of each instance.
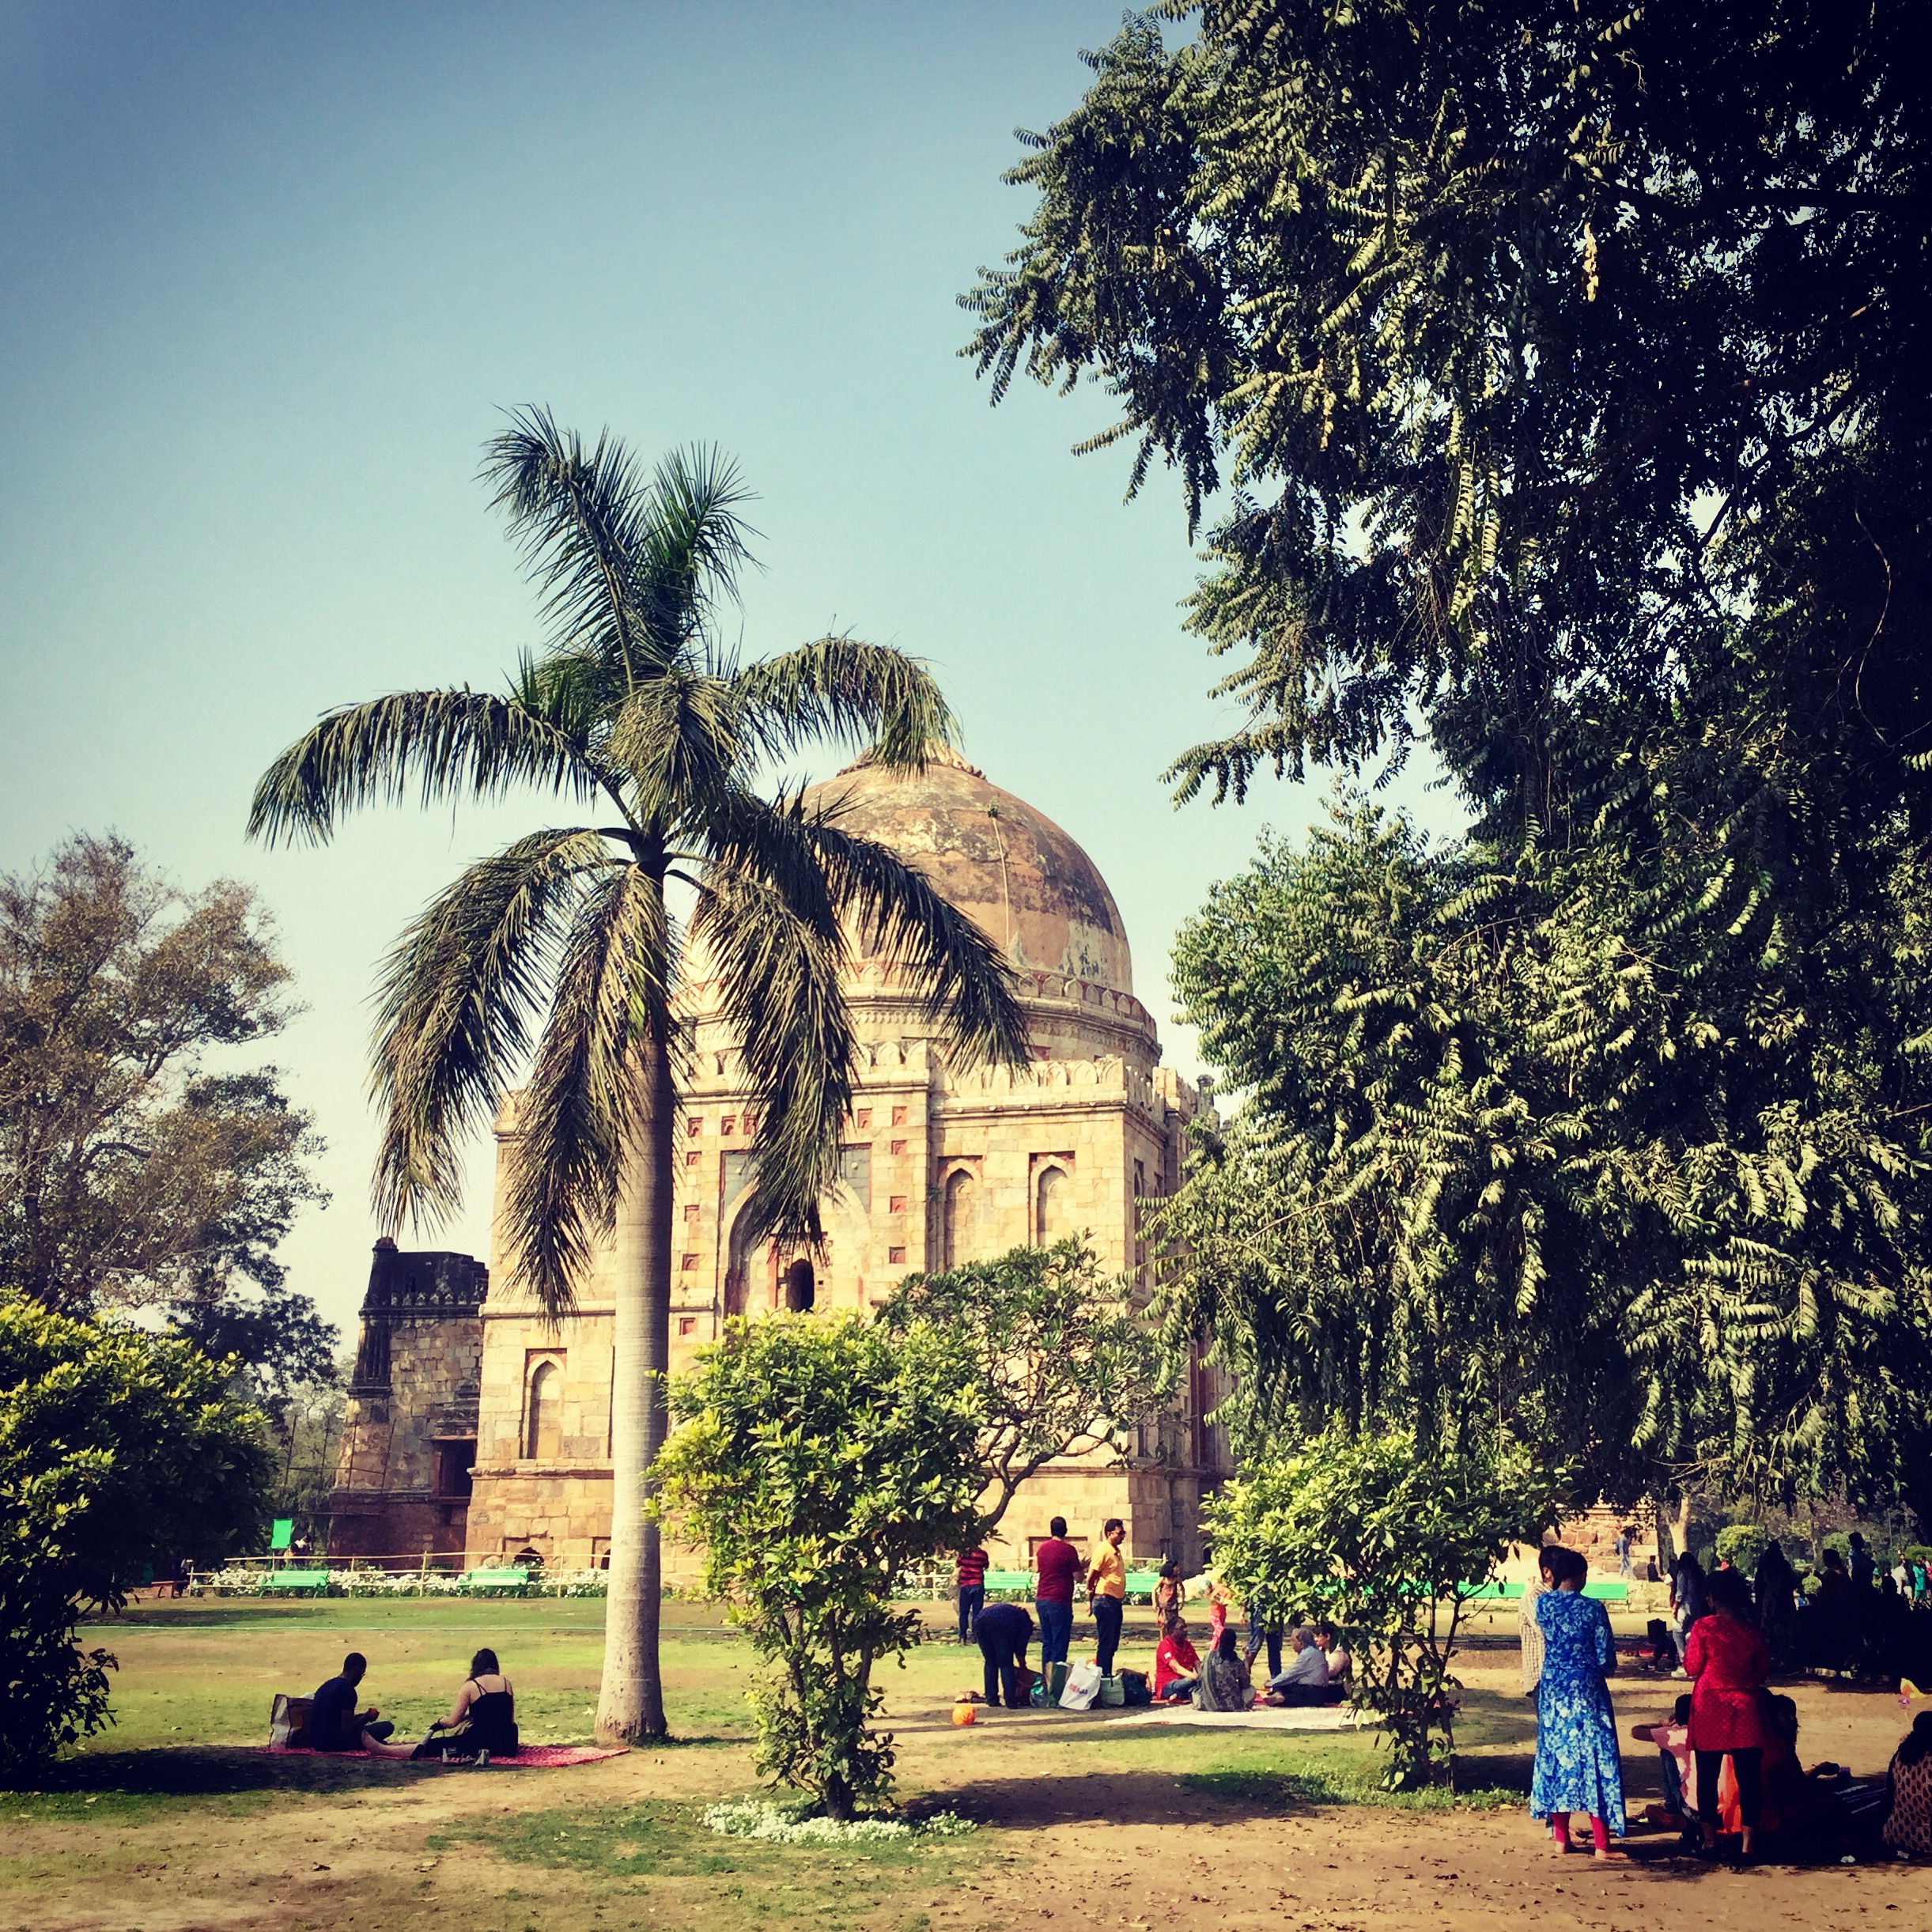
(403, 1480)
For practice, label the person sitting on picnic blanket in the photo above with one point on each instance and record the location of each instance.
(1306, 1680)
(334, 1723)
(1223, 1684)
(482, 1722)
(1177, 1665)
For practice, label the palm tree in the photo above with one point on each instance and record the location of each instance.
(559, 954)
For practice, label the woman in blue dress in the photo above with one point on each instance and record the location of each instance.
(1578, 1767)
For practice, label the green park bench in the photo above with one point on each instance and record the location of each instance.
(295, 1583)
(496, 1583)
(1139, 1583)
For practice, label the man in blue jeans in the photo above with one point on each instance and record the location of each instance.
(1056, 1568)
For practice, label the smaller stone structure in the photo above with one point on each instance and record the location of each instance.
(409, 1440)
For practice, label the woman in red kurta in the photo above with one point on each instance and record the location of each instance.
(1729, 1661)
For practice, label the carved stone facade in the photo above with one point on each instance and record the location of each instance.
(940, 1164)
(409, 1439)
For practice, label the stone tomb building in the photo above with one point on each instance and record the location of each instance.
(940, 1165)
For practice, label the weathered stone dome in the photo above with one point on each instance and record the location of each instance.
(1006, 865)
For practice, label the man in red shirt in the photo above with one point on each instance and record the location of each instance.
(1056, 1567)
(972, 1581)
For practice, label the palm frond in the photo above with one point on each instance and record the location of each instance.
(779, 997)
(580, 519)
(572, 690)
(455, 1007)
(840, 690)
(692, 544)
(579, 1120)
(445, 744)
(676, 739)
(965, 984)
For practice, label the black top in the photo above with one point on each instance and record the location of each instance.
(1004, 1624)
(490, 1724)
(328, 1730)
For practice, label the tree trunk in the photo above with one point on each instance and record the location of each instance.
(630, 1703)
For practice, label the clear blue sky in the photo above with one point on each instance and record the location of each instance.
(268, 274)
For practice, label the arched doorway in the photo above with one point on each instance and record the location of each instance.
(800, 1287)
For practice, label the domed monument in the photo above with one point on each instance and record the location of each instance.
(940, 1165)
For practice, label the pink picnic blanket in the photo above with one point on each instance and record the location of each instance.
(534, 1756)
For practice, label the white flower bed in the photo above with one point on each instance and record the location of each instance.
(792, 1824)
(252, 1580)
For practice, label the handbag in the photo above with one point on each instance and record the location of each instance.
(1113, 1694)
(1135, 1689)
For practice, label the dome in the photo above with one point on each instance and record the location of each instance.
(1007, 866)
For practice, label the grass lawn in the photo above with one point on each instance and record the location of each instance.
(176, 1819)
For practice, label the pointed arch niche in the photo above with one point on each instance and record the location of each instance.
(543, 1407)
(1052, 1198)
(959, 1198)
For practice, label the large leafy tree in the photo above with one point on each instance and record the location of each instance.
(1566, 366)
(1064, 1357)
(561, 955)
(118, 1449)
(140, 1166)
(1529, 1179)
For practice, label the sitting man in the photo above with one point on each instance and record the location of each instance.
(1306, 1680)
(1176, 1666)
(334, 1723)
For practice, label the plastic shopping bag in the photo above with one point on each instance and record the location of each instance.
(1083, 1686)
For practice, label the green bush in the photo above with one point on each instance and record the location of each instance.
(1380, 1538)
(116, 1447)
(816, 1461)
(1743, 1545)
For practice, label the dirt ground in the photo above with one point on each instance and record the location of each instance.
(1093, 1820)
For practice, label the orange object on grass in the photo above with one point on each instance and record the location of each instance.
(965, 1714)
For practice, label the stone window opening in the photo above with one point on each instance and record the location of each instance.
(454, 1460)
(544, 1411)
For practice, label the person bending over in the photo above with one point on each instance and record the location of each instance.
(1003, 1631)
(334, 1723)
(482, 1722)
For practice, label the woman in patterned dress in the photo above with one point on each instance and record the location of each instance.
(1578, 1767)
(1729, 1660)
(1908, 1791)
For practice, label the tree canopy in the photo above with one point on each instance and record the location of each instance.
(117, 1449)
(1064, 1358)
(139, 1167)
(1504, 324)
(1561, 371)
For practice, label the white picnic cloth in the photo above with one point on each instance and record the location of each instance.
(1290, 1717)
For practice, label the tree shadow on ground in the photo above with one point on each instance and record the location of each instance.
(221, 1770)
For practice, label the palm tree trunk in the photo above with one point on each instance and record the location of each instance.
(631, 1701)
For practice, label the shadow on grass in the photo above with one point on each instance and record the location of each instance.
(234, 1770)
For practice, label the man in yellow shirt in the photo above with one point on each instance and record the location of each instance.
(1107, 1590)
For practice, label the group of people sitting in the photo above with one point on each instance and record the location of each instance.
(1317, 1672)
(481, 1724)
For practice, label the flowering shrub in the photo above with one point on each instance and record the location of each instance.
(799, 1823)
